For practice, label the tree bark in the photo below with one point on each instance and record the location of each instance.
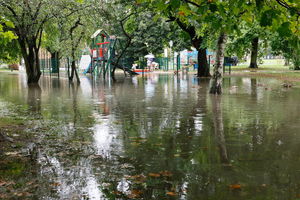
(254, 53)
(216, 87)
(30, 54)
(129, 41)
(203, 67)
(74, 72)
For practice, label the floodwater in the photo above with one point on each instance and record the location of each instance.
(159, 137)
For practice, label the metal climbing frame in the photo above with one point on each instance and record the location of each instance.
(102, 53)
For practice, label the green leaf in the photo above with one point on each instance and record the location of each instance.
(9, 24)
(284, 30)
(267, 17)
(213, 7)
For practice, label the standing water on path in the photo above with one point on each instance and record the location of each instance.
(154, 137)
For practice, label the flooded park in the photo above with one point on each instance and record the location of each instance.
(158, 136)
(149, 100)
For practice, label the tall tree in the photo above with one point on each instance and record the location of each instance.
(254, 53)
(186, 15)
(29, 18)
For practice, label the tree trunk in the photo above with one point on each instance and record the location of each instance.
(216, 87)
(254, 53)
(286, 62)
(31, 58)
(74, 72)
(203, 67)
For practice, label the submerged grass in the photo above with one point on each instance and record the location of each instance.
(17, 168)
(280, 72)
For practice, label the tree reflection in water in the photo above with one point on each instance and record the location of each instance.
(163, 137)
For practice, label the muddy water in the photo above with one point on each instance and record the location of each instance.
(159, 137)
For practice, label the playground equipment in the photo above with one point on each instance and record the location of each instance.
(103, 55)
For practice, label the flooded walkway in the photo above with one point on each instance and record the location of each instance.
(153, 137)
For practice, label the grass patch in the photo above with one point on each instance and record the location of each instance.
(10, 122)
(276, 68)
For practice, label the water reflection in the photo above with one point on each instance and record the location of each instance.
(34, 98)
(163, 137)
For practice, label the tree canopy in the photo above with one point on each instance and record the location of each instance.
(147, 26)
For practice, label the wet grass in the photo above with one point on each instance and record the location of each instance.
(278, 72)
(5, 121)
(269, 68)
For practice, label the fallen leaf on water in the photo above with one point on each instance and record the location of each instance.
(171, 194)
(3, 196)
(134, 176)
(235, 186)
(166, 173)
(12, 153)
(56, 184)
(137, 178)
(135, 194)
(117, 192)
(154, 175)
(22, 194)
(3, 183)
(106, 184)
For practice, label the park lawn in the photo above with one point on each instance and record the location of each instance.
(270, 68)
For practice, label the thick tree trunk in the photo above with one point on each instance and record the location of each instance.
(203, 67)
(30, 54)
(254, 53)
(216, 87)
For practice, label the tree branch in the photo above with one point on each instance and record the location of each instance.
(287, 6)
(11, 10)
(193, 3)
